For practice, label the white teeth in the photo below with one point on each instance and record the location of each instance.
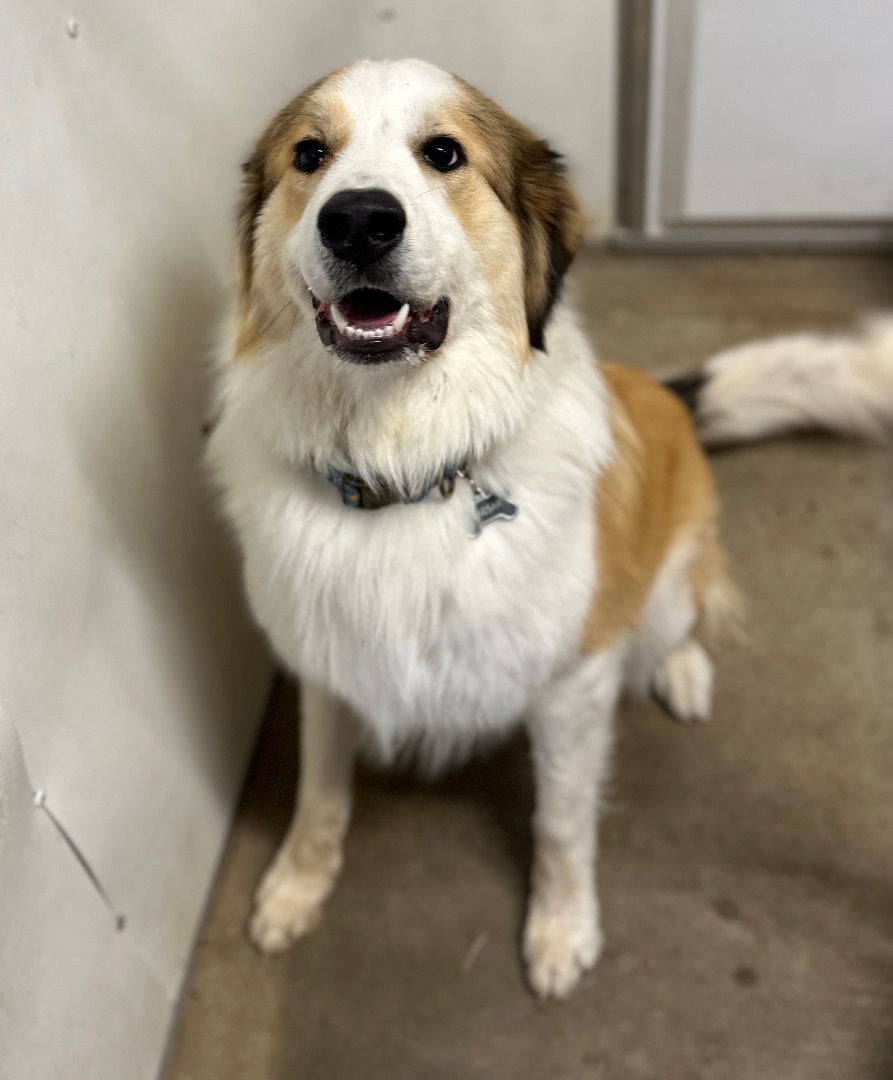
(355, 333)
(338, 318)
(400, 321)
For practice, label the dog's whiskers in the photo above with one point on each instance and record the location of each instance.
(291, 334)
(274, 319)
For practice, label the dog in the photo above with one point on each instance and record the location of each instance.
(453, 519)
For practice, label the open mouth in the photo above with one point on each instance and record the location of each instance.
(371, 326)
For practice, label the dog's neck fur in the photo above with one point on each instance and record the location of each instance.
(392, 424)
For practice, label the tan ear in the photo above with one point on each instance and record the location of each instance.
(552, 228)
(258, 185)
(530, 181)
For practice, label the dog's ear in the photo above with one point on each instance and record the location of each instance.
(255, 192)
(258, 185)
(552, 227)
(530, 181)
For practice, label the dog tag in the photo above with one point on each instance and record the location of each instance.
(489, 508)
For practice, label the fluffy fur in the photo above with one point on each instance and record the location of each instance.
(407, 634)
(842, 384)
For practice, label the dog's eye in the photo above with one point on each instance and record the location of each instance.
(309, 154)
(444, 153)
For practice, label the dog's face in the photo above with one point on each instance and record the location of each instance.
(392, 204)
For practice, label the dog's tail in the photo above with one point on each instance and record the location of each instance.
(797, 382)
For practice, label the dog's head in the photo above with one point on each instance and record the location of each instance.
(400, 209)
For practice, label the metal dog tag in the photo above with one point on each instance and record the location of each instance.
(489, 508)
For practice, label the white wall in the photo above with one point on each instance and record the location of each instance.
(130, 682)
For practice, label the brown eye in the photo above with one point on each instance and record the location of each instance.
(309, 154)
(444, 153)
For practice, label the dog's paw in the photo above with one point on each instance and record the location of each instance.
(683, 683)
(287, 905)
(558, 948)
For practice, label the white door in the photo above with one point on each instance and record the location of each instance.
(771, 119)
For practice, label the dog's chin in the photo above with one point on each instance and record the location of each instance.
(371, 326)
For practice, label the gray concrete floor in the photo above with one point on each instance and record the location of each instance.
(747, 865)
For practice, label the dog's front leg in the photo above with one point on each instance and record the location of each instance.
(571, 727)
(290, 899)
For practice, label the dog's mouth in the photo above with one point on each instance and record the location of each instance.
(370, 326)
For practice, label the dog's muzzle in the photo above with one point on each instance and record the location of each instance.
(359, 227)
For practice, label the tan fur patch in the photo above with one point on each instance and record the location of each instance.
(658, 491)
(274, 197)
(492, 231)
(529, 181)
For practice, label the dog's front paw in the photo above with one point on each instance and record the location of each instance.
(558, 947)
(288, 904)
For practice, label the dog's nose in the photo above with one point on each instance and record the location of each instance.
(361, 224)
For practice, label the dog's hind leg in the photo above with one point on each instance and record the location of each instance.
(572, 728)
(683, 682)
(291, 895)
(706, 606)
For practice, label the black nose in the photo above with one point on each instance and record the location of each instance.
(361, 225)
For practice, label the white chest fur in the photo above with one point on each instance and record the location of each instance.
(431, 636)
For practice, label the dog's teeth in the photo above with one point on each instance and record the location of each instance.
(338, 319)
(400, 321)
(357, 333)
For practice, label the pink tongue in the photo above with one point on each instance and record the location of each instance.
(367, 316)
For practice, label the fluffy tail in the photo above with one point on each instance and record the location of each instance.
(798, 382)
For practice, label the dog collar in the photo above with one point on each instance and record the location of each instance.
(488, 506)
(359, 495)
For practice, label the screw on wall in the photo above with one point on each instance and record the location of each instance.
(71, 28)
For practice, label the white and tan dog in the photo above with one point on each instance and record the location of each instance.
(453, 519)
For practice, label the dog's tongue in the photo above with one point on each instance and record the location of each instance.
(369, 309)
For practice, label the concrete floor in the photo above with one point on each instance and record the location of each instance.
(746, 867)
